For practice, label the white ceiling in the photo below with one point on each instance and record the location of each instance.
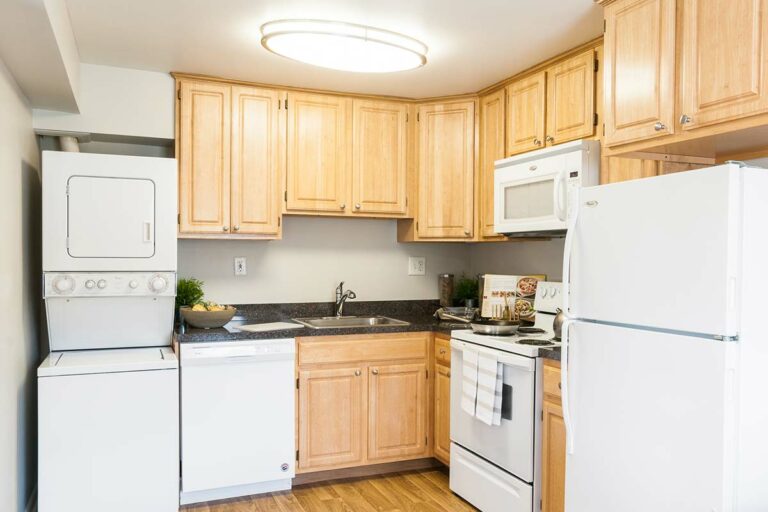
(472, 44)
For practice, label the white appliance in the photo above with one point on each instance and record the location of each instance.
(498, 468)
(108, 213)
(108, 392)
(237, 418)
(664, 358)
(533, 192)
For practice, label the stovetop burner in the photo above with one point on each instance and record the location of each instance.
(498, 335)
(534, 342)
(531, 330)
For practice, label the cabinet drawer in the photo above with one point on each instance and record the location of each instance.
(443, 351)
(552, 379)
(367, 347)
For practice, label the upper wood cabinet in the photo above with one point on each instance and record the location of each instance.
(318, 153)
(379, 157)
(492, 121)
(230, 165)
(724, 68)
(526, 109)
(204, 152)
(639, 72)
(397, 411)
(446, 169)
(571, 99)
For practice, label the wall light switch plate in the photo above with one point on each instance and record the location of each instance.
(417, 265)
(240, 266)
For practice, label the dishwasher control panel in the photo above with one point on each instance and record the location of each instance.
(265, 349)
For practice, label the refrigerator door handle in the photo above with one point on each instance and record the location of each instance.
(567, 253)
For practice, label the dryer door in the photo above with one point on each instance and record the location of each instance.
(110, 217)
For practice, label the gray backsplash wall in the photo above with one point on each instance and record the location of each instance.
(313, 256)
(534, 257)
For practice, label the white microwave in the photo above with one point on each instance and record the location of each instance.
(534, 192)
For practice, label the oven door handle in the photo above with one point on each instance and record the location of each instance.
(505, 358)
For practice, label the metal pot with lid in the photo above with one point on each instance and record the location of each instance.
(557, 325)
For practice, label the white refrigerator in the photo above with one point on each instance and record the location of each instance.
(665, 356)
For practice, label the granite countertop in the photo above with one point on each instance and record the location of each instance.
(418, 313)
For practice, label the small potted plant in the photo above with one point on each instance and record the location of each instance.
(197, 312)
(465, 293)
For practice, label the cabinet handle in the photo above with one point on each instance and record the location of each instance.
(342, 206)
(448, 373)
(537, 141)
(659, 126)
(225, 228)
(685, 119)
(358, 206)
(357, 373)
(236, 228)
(467, 232)
(550, 139)
(533, 168)
(375, 371)
(559, 385)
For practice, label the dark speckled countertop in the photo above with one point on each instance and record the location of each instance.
(418, 313)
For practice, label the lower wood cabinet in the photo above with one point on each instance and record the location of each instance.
(443, 413)
(553, 442)
(362, 400)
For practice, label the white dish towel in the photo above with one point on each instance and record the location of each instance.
(490, 380)
(469, 380)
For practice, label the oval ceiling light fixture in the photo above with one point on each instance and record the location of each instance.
(343, 46)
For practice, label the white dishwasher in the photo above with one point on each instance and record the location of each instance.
(237, 418)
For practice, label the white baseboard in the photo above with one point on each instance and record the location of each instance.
(32, 502)
(234, 492)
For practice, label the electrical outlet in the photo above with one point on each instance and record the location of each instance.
(240, 267)
(417, 265)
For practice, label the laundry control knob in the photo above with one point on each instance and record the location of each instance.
(158, 284)
(133, 284)
(63, 284)
(90, 284)
(102, 284)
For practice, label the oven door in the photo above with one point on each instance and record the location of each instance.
(509, 445)
(531, 197)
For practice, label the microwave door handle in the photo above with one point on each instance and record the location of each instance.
(559, 200)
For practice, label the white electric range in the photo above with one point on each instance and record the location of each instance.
(498, 468)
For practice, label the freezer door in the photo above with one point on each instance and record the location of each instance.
(660, 252)
(651, 421)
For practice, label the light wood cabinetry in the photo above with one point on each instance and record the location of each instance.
(446, 170)
(362, 400)
(492, 140)
(442, 401)
(639, 70)
(571, 99)
(229, 143)
(526, 113)
(724, 53)
(553, 442)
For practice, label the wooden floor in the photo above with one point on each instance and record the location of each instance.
(399, 492)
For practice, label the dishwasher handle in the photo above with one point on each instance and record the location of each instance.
(237, 359)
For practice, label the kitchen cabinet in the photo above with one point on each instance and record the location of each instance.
(639, 70)
(318, 145)
(553, 442)
(229, 160)
(571, 99)
(492, 140)
(526, 108)
(724, 53)
(397, 410)
(363, 399)
(379, 157)
(442, 405)
(446, 170)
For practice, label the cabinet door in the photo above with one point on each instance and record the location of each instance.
(553, 457)
(526, 104)
(331, 418)
(379, 158)
(256, 161)
(204, 153)
(615, 169)
(724, 72)
(639, 73)
(318, 146)
(397, 411)
(491, 149)
(443, 413)
(571, 99)
(446, 170)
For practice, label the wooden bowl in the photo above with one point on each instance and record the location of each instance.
(207, 319)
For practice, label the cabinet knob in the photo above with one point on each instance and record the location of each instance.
(342, 206)
(685, 119)
(448, 373)
(659, 126)
(358, 206)
(357, 373)
(236, 228)
(225, 228)
(550, 139)
(467, 232)
(537, 141)
(375, 371)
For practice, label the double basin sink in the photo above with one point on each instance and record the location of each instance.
(340, 322)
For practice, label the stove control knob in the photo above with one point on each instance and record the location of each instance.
(90, 284)
(157, 284)
(102, 284)
(63, 284)
(133, 284)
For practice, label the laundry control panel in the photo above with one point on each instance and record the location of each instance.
(108, 284)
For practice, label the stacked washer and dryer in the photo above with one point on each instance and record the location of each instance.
(108, 392)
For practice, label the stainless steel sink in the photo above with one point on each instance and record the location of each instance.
(336, 322)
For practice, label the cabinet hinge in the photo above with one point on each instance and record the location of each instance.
(427, 373)
(178, 219)
(605, 24)
(418, 117)
(286, 104)
(285, 196)
(542, 415)
(178, 93)
(426, 440)
(297, 387)
(595, 118)
(297, 455)
(406, 202)
(278, 221)
(541, 504)
(417, 226)
(406, 117)
(597, 65)
(603, 128)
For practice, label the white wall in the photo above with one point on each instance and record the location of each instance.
(517, 258)
(314, 255)
(20, 300)
(117, 101)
